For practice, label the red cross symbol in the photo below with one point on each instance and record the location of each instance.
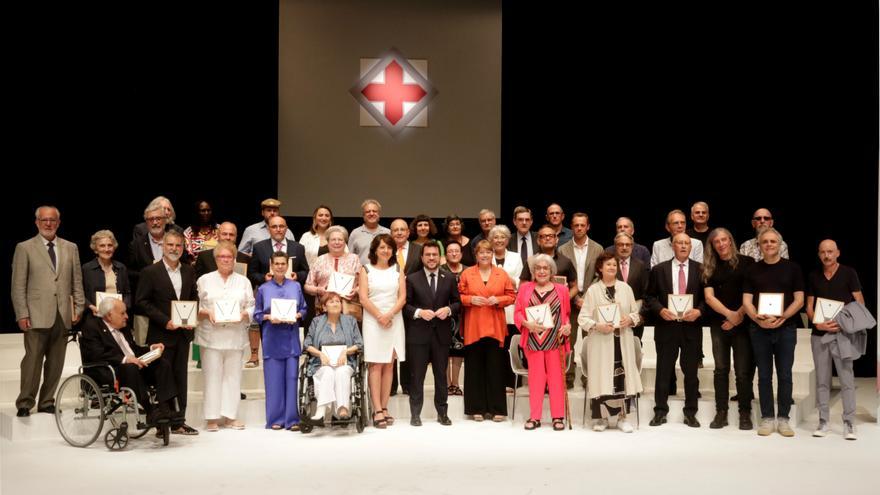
(394, 92)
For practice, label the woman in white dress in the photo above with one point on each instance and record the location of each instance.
(511, 262)
(382, 288)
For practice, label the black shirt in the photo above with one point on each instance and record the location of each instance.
(840, 288)
(702, 236)
(727, 283)
(784, 276)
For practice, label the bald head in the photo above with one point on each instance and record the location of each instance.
(227, 232)
(828, 253)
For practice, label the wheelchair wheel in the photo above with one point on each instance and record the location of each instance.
(117, 438)
(79, 410)
(126, 413)
(166, 433)
(305, 427)
(360, 420)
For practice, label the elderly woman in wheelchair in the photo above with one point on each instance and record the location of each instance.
(333, 344)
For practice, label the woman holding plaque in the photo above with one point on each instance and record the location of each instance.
(608, 315)
(382, 289)
(485, 290)
(104, 274)
(226, 306)
(541, 314)
(333, 331)
(337, 260)
(279, 307)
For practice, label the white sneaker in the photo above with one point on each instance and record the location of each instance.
(319, 413)
(849, 431)
(784, 428)
(821, 430)
(767, 427)
(600, 424)
(624, 425)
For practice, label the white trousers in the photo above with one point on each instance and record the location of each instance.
(222, 372)
(333, 385)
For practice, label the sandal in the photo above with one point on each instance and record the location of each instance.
(498, 418)
(252, 363)
(276, 427)
(388, 417)
(212, 427)
(379, 423)
(532, 424)
(478, 418)
(456, 390)
(294, 427)
(558, 424)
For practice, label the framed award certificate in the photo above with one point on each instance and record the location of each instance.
(680, 304)
(227, 310)
(608, 314)
(151, 356)
(541, 315)
(560, 279)
(284, 310)
(770, 303)
(826, 309)
(184, 313)
(100, 296)
(333, 352)
(340, 283)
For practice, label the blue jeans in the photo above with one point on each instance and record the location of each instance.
(774, 346)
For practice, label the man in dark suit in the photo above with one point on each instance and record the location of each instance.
(524, 242)
(259, 268)
(632, 271)
(409, 258)
(142, 229)
(162, 282)
(206, 263)
(431, 300)
(678, 330)
(108, 339)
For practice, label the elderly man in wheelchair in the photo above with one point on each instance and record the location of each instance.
(109, 340)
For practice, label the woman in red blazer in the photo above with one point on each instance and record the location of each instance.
(485, 291)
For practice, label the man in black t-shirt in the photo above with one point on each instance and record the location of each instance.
(838, 284)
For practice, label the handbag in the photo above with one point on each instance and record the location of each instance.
(457, 339)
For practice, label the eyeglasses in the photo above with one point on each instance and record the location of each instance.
(48, 220)
(554, 213)
(155, 219)
(762, 218)
(546, 236)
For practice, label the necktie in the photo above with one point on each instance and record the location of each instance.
(120, 340)
(682, 280)
(434, 283)
(624, 271)
(278, 246)
(400, 261)
(52, 254)
(524, 251)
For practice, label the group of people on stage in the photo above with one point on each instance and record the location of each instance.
(411, 296)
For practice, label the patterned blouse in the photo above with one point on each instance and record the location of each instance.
(550, 338)
(196, 242)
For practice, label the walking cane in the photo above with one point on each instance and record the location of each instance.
(564, 387)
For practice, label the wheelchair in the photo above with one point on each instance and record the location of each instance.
(82, 406)
(308, 403)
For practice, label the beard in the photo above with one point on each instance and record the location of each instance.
(173, 256)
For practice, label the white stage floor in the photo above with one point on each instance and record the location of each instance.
(465, 458)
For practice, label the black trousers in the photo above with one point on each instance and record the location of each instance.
(418, 356)
(670, 340)
(738, 340)
(177, 355)
(483, 383)
(157, 373)
(404, 376)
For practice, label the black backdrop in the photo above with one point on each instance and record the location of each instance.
(609, 111)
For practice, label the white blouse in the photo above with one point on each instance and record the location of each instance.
(224, 336)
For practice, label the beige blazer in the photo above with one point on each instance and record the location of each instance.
(589, 266)
(38, 291)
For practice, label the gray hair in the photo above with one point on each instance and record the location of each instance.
(770, 230)
(371, 201)
(101, 234)
(156, 203)
(106, 306)
(623, 234)
(541, 258)
(37, 211)
(486, 211)
(337, 228)
(499, 229)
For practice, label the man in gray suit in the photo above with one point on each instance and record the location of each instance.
(47, 295)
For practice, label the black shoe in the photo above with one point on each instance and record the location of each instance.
(444, 420)
(50, 409)
(393, 392)
(720, 420)
(243, 396)
(658, 419)
(734, 398)
(23, 412)
(415, 421)
(691, 420)
(405, 390)
(745, 420)
(699, 394)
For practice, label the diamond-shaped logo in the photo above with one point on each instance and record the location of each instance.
(393, 92)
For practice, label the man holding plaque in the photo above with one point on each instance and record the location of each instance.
(773, 293)
(432, 300)
(160, 285)
(675, 299)
(828, 290)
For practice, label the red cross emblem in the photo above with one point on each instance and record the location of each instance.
(400, 91)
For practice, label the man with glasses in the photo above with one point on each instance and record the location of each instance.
(555, 216)
(47, 295)
(639, 252)
(663, 249)
(762, 219)
(487, 220)
(259, 231)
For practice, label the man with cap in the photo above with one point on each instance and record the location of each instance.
(260, 230)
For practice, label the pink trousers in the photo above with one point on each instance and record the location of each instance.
(545, 368)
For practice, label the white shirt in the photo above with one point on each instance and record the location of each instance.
(528, 238)
(156, 247)
(675, 268)
(224, 336)
(120, 340)
(54, 247)
(275, 247)
(174, 275)
(663, 251)
(580, 257)
(428, 277)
